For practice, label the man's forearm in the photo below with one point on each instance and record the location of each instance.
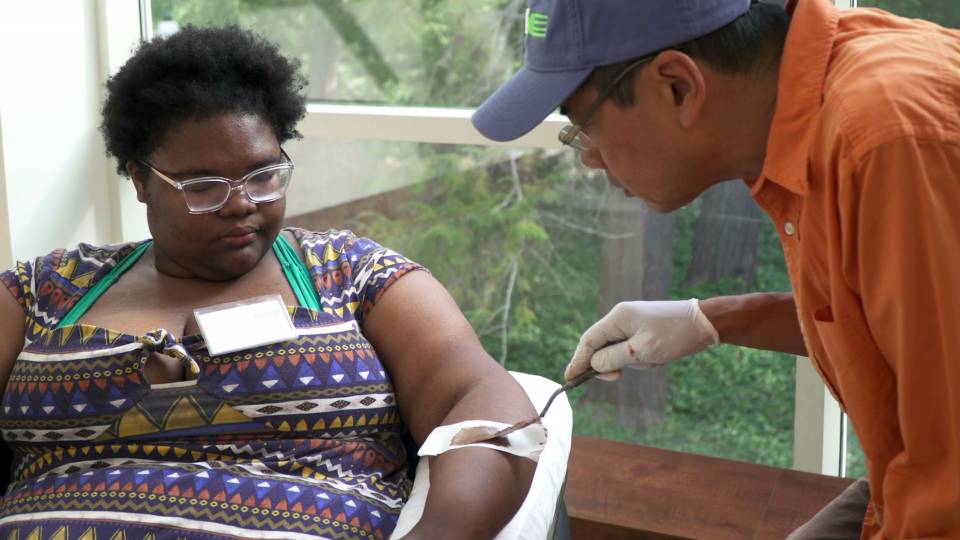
(759, 320)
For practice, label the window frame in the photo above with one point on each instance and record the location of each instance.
(435, 125)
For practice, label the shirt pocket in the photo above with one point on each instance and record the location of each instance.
(867, 385)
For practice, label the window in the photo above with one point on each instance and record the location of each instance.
(533, 246)
(436, 53)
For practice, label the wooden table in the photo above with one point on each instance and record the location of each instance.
(617, 491)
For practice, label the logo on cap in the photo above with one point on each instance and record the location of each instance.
(536, 24)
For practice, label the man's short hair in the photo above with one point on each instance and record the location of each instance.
(751, 43)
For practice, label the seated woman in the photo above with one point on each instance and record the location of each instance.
(125, 424)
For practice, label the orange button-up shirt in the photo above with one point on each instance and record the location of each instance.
(862, 179)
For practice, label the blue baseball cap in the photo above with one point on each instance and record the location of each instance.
(567, 39)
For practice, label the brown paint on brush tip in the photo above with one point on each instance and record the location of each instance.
(485, 434)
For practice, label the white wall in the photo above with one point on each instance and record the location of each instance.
(55, 190)
(6, 257)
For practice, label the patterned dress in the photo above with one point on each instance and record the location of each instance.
(294, 440)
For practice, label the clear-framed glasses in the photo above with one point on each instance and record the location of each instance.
(211, 193)
(572, 135)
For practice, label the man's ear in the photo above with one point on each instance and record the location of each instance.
(139, 177)
(682, 84)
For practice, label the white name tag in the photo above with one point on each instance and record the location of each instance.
(245, 324)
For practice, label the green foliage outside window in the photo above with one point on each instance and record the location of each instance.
(517, 236)
(520, 243)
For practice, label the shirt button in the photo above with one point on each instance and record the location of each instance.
(789, 228)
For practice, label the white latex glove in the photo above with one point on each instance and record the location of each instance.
(642, 335)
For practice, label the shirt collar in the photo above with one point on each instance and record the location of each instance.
(803, 70)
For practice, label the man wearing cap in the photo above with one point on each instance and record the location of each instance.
(847, 125)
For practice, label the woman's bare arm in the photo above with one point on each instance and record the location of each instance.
(442, 375)
(11, 335)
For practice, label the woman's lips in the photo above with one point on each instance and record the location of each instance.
(240, 237)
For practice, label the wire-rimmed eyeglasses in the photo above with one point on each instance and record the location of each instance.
(572, 134)
(210, 193)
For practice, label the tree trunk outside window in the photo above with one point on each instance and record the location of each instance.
(727, 234)
(638, 267)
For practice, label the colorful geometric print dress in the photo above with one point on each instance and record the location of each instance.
(295, 440)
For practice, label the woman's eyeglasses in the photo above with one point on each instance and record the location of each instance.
(211, 193)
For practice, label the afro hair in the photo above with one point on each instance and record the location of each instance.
(195, 74)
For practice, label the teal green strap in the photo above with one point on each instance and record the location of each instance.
(297, 273)
(101, 286)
